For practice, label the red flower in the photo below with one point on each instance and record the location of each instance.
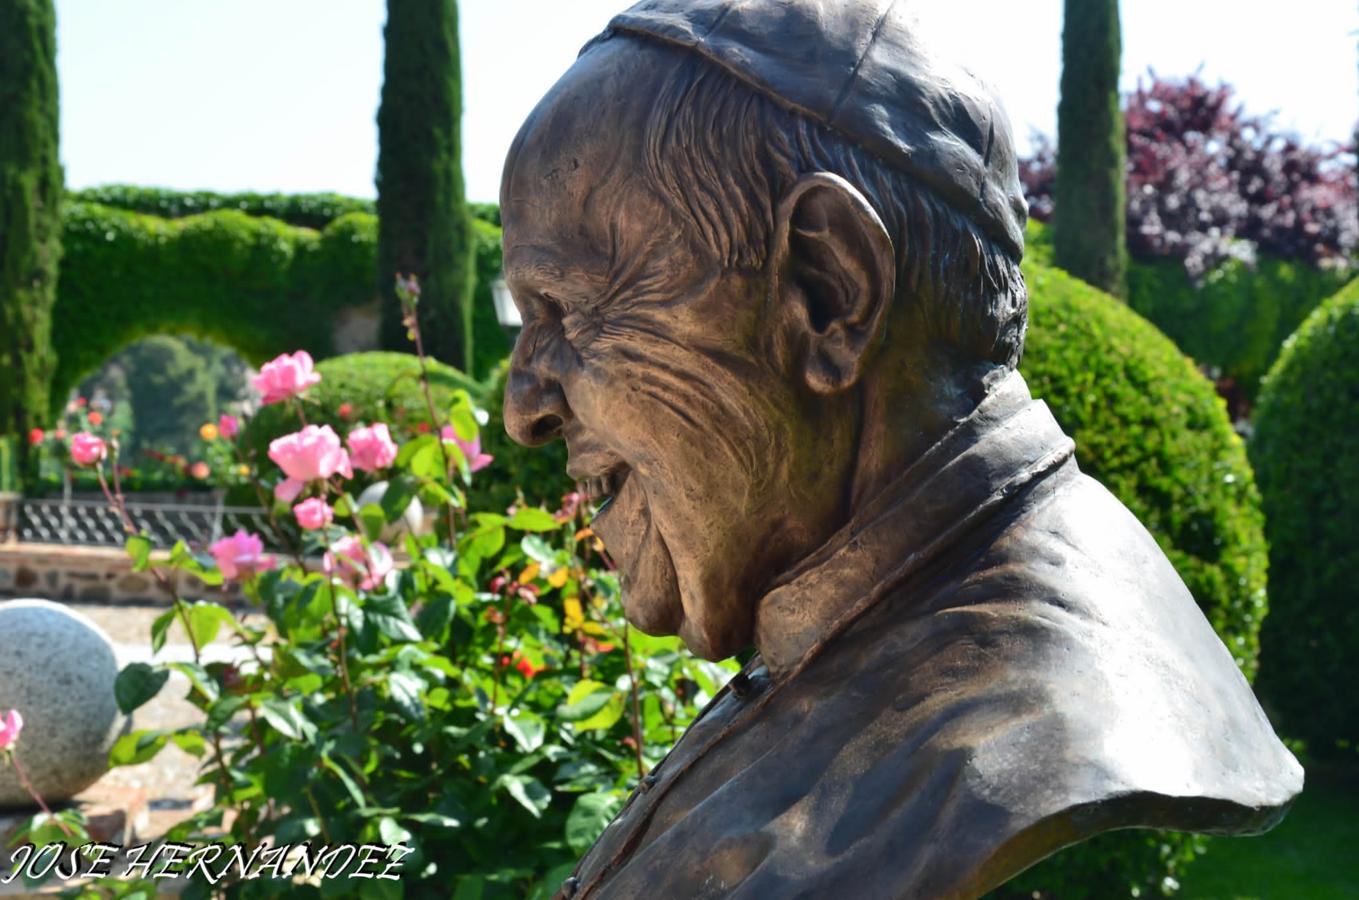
(96, 418)
(81, 401)
(422, 427)
(528, 669)
(36, 436)
(346, 410)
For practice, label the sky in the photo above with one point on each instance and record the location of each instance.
(282, 95)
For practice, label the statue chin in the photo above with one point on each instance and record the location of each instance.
(651, 597)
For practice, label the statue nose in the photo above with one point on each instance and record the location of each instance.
(535, 408)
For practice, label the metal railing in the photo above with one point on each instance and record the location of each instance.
(93, 523)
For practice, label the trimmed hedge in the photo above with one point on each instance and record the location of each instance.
(1152, 430)
(306, 210)
(1307, 459)
(256, 284)
(1235, 319)
(491, 342)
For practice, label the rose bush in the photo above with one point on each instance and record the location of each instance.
(471, 691)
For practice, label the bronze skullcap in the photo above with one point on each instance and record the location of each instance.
(861, 68)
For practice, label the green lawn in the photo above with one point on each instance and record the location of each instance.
(1313, 855)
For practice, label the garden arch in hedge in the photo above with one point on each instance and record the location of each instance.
(256, 284)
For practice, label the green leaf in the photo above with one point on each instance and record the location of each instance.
(463, 417)
(202, 682)
(589, 817)
(191, 742)
(286, 717)
(586, 698)
(538, 550)
(347, 780)
(139, 548)
(404, 689)
(387, 613)
(438, 820)
(391, 832)
(159, 628)
(435, 616)
(136, 748)
(398, 496)
(530, 792)
(411, 448)
(137, 684)
(610, 713)
(532, 518)
(428, 462)
(526, 729)
(206, 620)
(371, 520)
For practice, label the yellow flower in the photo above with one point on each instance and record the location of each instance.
(208, 432)
(243, 470)
(559, 577)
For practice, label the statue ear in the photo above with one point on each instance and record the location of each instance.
(834, 274)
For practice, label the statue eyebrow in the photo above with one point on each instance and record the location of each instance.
(540, 270)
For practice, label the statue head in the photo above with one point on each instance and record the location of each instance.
(765, 255)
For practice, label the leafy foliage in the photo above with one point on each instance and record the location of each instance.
(484, 703)
(1088, 236)
(1149, 427)
(490, 341)
(1207, 182)
(314, 211)
(1308, 465)
(30, 198)
(254, 284)
(424, 228)
(1234, 319)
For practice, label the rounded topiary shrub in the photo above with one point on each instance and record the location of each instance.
(1152, 430)
(1305, 453)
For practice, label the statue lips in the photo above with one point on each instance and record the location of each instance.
(646, 572)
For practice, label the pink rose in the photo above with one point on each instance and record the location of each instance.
(10, 725)
(308, 455)
(359, 567)
(313, 514)
(241, 555)
(371, 448)
(284, 377)
(228, 426)
(86, 449)
(471, 450)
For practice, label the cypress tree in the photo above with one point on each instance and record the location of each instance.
(1089, 236)
(424, 228)
(30, 226)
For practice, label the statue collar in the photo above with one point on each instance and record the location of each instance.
(1009, 441)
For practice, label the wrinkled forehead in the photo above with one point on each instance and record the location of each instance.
(574, 192)
(579, 155)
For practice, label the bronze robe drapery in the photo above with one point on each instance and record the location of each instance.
(950, 703)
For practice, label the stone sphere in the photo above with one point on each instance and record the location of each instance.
(57, 668)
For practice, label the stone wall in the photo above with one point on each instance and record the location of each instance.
(87, 575)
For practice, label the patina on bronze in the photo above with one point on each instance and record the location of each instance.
(767, 257)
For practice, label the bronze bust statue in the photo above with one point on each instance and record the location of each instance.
(767, 255)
